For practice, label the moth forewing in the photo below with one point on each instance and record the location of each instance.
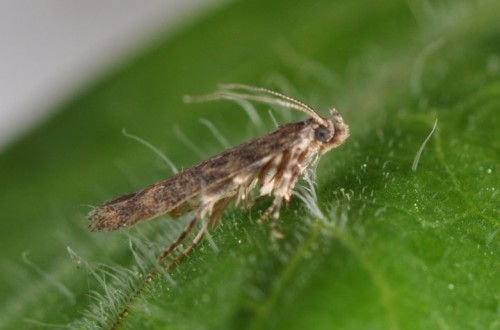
(269, 165)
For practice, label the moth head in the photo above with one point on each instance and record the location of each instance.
(330, 133)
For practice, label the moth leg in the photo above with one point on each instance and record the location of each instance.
(274, 210)
(214, 217)
(199, 236)
(288, 180)
(276, 216)
(218, 209)
(180, 238)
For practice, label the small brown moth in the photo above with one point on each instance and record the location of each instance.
(269, 165)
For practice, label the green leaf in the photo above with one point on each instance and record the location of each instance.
(394, 240)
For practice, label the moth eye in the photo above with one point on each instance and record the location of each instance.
(322, 134)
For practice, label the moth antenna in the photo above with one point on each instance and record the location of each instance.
(268, 91)
(281, 100)
(304, 107)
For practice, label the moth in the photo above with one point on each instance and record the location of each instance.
(268, 165)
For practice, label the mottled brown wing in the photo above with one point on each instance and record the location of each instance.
(182, 192)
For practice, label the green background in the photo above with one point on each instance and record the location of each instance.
(395, 249)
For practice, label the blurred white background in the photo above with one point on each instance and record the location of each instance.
(51, 48)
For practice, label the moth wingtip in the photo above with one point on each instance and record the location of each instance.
(100, 220)
(94, 221)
